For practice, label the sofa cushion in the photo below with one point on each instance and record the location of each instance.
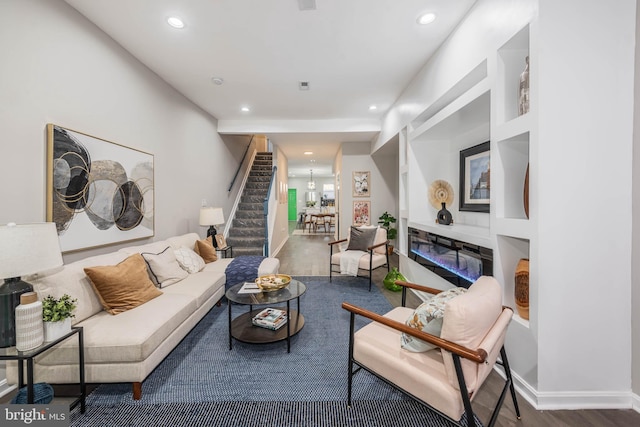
(164, 267)
(190, 261)
(153, 247)
(129, 337)
(201, 286)
(72, 280)
(467, 320)
(187, 240)
(123, 286)
(205, 249)
(428, 318)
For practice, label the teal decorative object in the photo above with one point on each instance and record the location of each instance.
(391, 277)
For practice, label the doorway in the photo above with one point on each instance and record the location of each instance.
(292, 199)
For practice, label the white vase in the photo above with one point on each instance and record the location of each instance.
(54, 330)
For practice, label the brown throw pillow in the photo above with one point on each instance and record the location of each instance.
(205, 249)
(123, 286)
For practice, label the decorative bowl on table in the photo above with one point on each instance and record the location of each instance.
(273, 282)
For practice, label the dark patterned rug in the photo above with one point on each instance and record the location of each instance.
(202, 382)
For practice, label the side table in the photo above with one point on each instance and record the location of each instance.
(29, 355)
(226, 249)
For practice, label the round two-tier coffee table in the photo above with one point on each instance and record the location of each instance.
(242, 329)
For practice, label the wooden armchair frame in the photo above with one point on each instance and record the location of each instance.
(457, 351)
(370, 250)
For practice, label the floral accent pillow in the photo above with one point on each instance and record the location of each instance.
(428, 318)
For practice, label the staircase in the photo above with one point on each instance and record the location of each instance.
(248, 227)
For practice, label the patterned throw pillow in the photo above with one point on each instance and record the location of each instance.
(190, 261)
(164, 267)
(428, 318)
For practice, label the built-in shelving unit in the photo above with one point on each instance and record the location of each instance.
(482, 106)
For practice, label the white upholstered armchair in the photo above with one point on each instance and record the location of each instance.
(447, 376)
(365, 249)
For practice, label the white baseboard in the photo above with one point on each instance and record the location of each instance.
(6, 388)
(635, 402)
(573, 400)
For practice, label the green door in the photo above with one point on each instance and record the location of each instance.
(293, 204)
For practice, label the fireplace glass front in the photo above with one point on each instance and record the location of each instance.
(458, 262)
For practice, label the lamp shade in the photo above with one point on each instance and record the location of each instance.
(211, 216)
(28, 249)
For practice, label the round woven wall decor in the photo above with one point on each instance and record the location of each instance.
(440, 191)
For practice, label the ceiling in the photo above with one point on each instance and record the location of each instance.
(352, 53)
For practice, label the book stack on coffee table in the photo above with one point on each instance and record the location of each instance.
(270, 318)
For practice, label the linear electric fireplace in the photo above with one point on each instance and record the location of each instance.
(459, 262)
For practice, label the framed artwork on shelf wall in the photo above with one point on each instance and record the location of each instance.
(362, 212)
(98, 192)
(220, 240)
(361, 183)
(475, 178)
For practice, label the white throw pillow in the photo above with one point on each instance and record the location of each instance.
(190, 261)
(164, 267)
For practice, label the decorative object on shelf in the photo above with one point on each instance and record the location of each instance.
(29, 329)
(441, 194)
(525, 193)
(24, 249)
(211, 217)
(385, 220)
(361, 183)
(440, 191)
(361, 212)
(391, 277)
(57, 314)
(475, 178)
(98, 192)
(523, 93)
(522, 288)
(444, 216)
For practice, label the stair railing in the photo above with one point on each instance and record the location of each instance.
(265, 207)
(244, 156)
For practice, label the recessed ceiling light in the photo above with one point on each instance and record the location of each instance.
(426, 18)
(372, 107)
(308, 153)
(175, 22)
(217, 80)
(244, 109)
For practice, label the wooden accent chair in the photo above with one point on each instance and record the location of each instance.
(448, 377)
(376, 255)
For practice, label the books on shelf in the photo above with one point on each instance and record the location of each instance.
(270, 318)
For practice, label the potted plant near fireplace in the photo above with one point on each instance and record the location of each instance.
(386, 220)
(57, 314)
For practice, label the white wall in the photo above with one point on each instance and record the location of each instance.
(635, 272)
(59, 68)
(356, 156)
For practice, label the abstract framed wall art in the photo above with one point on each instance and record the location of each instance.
(98, 192)
(475, 178)
(362, 212)
(361, 183)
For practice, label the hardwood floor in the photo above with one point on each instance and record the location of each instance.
(309, 256)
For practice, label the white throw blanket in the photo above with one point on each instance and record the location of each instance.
(349, 262)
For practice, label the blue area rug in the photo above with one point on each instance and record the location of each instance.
(202, 382)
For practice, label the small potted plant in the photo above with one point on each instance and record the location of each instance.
(386, 220)
(57, 314)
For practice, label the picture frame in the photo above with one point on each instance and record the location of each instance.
(220, 240)
(361, 212)
(98, 192)
(361, 183)
(475, 178)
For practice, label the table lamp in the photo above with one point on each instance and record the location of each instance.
(25, 249)
(211, 217)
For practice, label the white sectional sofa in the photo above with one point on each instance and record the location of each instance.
(126, 347)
